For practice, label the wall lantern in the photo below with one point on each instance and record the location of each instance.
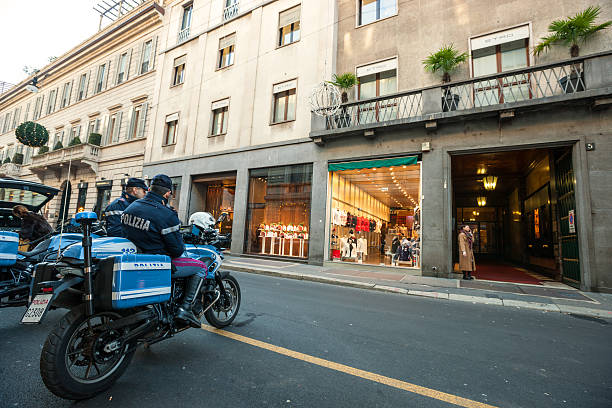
(490, 182)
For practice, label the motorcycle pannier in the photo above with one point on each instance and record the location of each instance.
(139, 279)
(9, 242)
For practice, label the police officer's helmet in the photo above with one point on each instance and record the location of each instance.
(202, 220)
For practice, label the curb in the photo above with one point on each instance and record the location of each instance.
(544, 307)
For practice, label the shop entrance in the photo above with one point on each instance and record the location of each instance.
(214, 193)
(375, 212)
(520, 207)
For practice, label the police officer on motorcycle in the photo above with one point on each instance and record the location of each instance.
(154, 228)
(135, 188)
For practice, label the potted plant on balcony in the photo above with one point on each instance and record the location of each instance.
(345, 82)
(572, 31)
(43, 149)
(95, 139)
(18, 158)
(446, 60)
(32, 134)
(7, 160)
(74, 142)
(58, 145)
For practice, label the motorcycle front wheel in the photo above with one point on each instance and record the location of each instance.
(81, 359)
(224, 311)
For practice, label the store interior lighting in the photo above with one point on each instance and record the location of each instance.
(490, 182)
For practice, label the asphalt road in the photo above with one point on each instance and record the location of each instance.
(498, 356)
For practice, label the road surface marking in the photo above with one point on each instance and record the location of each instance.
(391, 382)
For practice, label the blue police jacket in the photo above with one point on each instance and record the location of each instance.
(153, 227)
(113, 212)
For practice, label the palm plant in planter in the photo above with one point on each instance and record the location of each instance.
(572, 31)
(446, 60)
(345, 82)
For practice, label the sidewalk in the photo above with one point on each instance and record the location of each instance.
(552, 297)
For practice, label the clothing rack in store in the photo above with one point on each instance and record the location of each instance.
(358, 209)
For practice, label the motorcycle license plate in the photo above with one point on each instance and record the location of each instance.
(37, 309)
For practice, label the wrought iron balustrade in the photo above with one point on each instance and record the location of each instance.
(230, 11)
(521, 84)
(375, 110)
(183, 35)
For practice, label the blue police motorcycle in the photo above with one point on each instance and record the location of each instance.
(119, 299)
(17, 267)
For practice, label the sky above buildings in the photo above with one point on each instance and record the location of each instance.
(32, 31)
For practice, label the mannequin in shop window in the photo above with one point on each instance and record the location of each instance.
(349, 246)
(362, 248)
(395, 249)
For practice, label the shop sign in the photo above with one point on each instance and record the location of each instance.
(220, 104)
(572, 222)
(502, 37)
(382, 66)
(285, 86)
(104, 184)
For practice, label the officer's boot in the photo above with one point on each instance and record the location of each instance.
(191, 291)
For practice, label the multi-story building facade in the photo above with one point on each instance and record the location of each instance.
(233, 118)
(515, 147)
(102, 86)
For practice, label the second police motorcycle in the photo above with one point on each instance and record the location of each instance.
(119, 299)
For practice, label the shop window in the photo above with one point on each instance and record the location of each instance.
(375, 212)
(376, 80)
(373, 10)
(176, 192)
(278, 214)
(289, 26)
(226, 51)
(497, 53)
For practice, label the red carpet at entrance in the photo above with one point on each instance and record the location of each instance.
(504, 273)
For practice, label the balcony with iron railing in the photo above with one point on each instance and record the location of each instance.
(183, 35)
(581, 78)
(231, 11)
(79, 156)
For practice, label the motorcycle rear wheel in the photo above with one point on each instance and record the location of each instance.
(58, 357)
(224, 311)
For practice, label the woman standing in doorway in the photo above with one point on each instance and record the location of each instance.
(466, 255)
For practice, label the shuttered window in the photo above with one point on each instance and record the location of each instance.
(226, 51)
(289, 26)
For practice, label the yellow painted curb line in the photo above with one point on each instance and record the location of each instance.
(381, 379)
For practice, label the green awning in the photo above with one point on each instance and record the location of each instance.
(368, 164)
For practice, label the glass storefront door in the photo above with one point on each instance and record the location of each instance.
(375, 212)
(278, 212)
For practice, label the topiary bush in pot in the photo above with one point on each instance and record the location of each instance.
(74, 142)
(18, 158)
(58, 145)
(95, 139)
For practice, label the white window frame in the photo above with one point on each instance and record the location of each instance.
(101, 79)
(51, 103)
(138, 120)
(66, 93)
(358, 14)
(171, 120)
(122, 68)
(282, 88)
(178, 63)
(82, 91)
(281, 26)
(225, 43)
(220, 107)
